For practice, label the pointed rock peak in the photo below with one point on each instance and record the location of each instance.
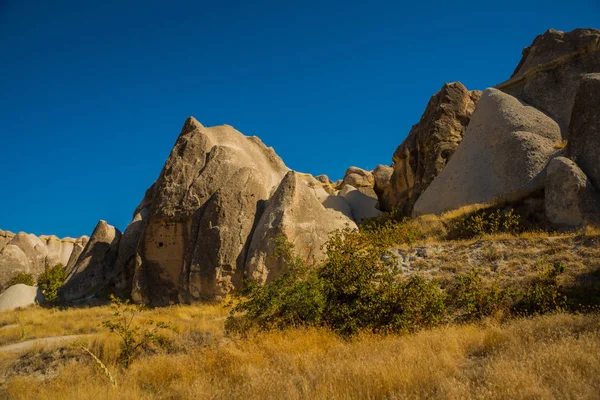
(191, 124)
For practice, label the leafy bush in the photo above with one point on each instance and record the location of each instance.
(294, 298)
(544, 294)
(354, 290)
(50, 282)
(134, 338)
(21, 277)
(488, 223)
(474, 299)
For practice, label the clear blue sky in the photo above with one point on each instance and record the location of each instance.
(93, 93)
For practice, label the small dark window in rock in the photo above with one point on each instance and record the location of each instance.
(160, 244)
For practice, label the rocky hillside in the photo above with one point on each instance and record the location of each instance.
(213, 216)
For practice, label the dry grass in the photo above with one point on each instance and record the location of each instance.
(546, 357)
(560, 144)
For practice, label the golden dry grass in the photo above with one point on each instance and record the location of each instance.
(547, 357)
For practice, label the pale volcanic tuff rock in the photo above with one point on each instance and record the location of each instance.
(584, 129)
(570, 198)
(383, 184)
(550, 71)
(502, 156)
(295, 212)
(429, 146)
(28, 253)
(94, 268)
(217, 194)
(20, 295)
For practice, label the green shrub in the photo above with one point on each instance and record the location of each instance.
(135, 337)
(474, 300)
(544, 294)
(21, 277)
(50, 282)
(354, 290)
(294, 298)
(488, 223)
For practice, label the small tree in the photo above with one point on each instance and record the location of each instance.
(20, 277)
(134, 337)
(50, 282)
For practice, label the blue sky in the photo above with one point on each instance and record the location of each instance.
(93, 93)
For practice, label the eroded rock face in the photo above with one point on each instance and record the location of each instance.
(429, 146)
(383, 184)
(203, 209)
(296, 213)
(570, 198)
(584, 130)
(358, 178)
(550, 71)
(502, 156)
(94, 268)
(5, 237)
(31, 254)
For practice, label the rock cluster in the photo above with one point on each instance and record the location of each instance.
(31, 254)
(508, 140)
(213, 217)
(550, 70)
(211, 220)
(429, 146)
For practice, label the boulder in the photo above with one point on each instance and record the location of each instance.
(502, 156)
(429, 145)
(361, 205)
(204, 205)
(358, 178)
(59, 250)
(94, 268)
(5, 237)
(584, 129)
(570, 199)
(13, 259)
(78, 247)
(383, 184)
(19, 296)
(295, 213)
(550, 70)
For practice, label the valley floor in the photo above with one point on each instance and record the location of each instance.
(553, 356)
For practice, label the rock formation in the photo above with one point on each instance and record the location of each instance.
(584, 129)
(31, 254)
(570, 198)
(502, 156)
(429, 146)
(20, 295)
(210, 217)
(222, 199)
(94, 268)
(550, 70)
(295, 213)
(358, 188)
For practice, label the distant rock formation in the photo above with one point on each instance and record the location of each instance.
(501, 157)
(550, 70)
(28, 253)
(429, 146)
